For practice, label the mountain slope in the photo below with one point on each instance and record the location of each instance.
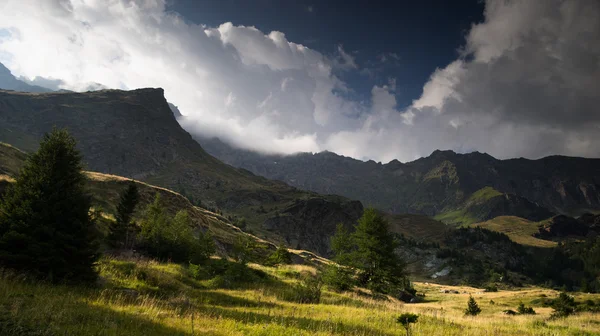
(134, 134)
(433, 185)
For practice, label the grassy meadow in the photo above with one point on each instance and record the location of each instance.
(144, 297)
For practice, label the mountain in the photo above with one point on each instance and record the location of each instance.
(444, 184)
(134, 134)
(9, 82)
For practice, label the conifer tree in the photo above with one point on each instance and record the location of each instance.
(46, 227)
(370, 249)
(121, 231)
(472, 307)
(381, 269)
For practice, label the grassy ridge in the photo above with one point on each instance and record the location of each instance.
(150, 298)
(518, 229)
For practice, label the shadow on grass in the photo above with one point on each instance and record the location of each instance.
(304, 323)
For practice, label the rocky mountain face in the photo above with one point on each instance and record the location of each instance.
(134, 134)
(439, 184)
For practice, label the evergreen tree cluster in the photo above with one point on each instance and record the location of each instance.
(46, 227)
(173, 238)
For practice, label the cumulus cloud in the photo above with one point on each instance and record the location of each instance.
(526, 83)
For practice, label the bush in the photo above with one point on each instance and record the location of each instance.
(491, 288)
(406, 319)
(524, 310)
(173, 238)
(563, 306)
(338, 278)
(308, 290)
(232, 275)
(280, 256)
(472, 307)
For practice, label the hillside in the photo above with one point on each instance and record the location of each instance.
(488, 203)
(105, 190)
(519, 230)
(433, 185)
(135, 135)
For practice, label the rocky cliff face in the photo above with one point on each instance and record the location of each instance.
(432, 185)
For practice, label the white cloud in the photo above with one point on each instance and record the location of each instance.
(526, 86)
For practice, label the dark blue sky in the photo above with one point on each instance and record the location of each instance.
(423, 34)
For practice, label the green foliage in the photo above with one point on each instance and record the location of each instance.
(225, 274)
(524, 310)
(46, 227)
(174, 239)
(338, 278)
(122, 231)
(245, 249)
(491, 288)
(342, 245)
(472, 307)
(307, 290)
(281, 256)
(563, 306)
(406, 320)
(371, 251)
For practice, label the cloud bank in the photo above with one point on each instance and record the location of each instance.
(527, 82)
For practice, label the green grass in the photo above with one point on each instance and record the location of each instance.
(149, 298)
(483, 195)
(460, 216)
(518, 229)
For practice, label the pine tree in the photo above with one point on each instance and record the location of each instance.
(370, 250)
(46, 227)
(381, 269)
(122, 230)
(472, 307)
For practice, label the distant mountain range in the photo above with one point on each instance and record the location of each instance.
(455, 188)
(9, 82)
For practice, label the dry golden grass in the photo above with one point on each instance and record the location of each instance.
(518, 229)
(150, 298)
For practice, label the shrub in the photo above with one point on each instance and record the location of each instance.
(491, 288)
(563, 306)
(406, 319)
(233, 275)
(472, 307)
(173, 238)
(280, 256)
(524, 310)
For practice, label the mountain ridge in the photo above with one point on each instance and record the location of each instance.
(431, 185)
